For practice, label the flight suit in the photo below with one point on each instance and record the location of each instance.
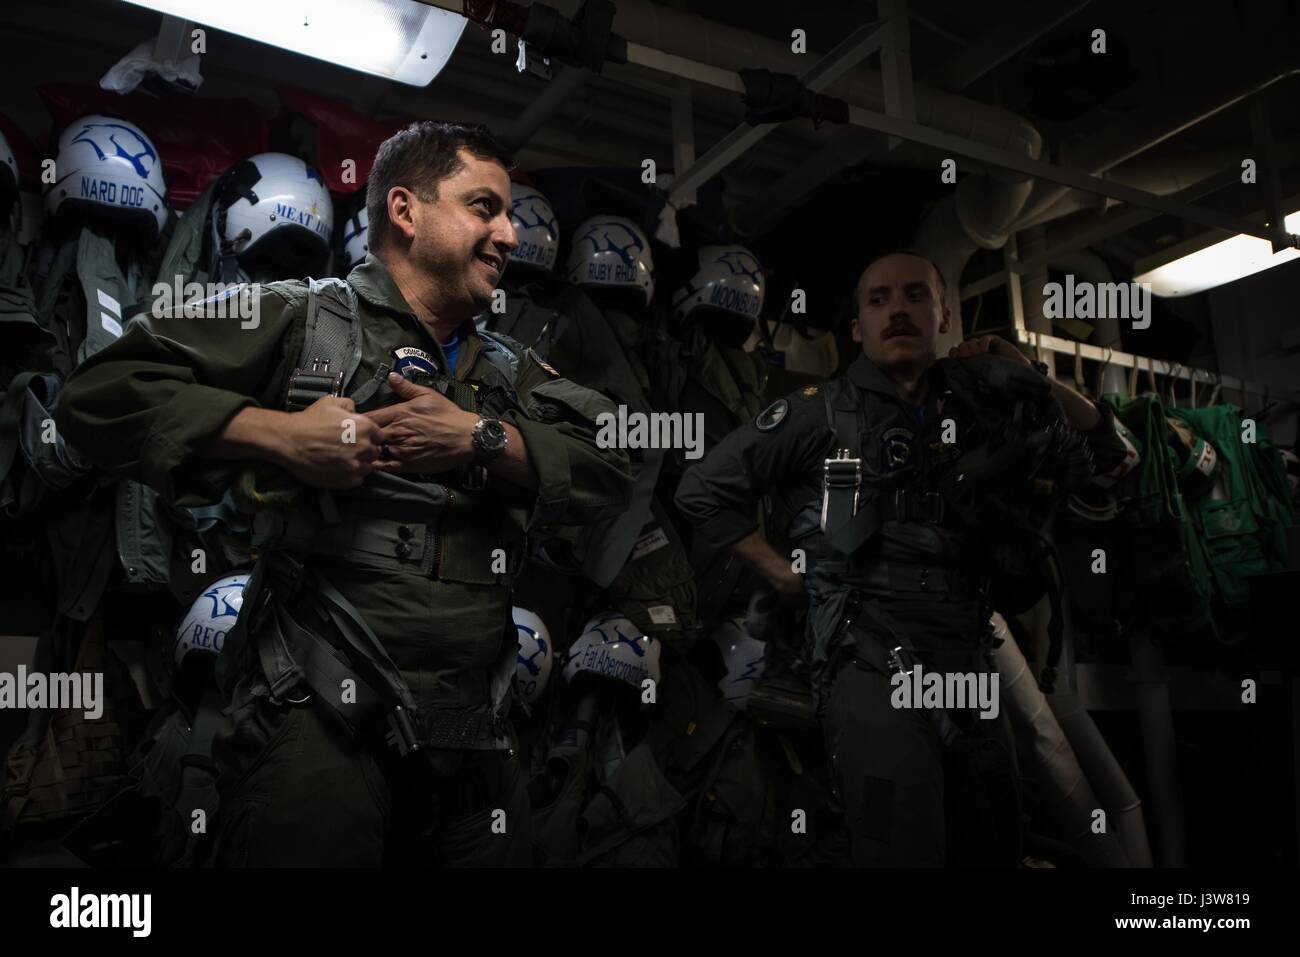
(637, 559)
(921, 580)
(299, 785)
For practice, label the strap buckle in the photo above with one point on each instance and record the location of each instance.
(841, 482)
(910, 506)
(306, 385)
(403, 735)
(843, 471)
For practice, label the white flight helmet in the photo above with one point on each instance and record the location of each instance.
(611, 253)
(535, 228)
(612, 648)
(535, 656)
(203, 629)
(356, 239)
(274, 207)
(745, 658)
(726, 293)
(107, 167)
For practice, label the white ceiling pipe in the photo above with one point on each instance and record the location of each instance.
(849, 147)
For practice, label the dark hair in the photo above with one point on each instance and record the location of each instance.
(943, 283)
(419, 158)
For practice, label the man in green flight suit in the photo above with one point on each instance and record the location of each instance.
(390, 460)
(906, 534)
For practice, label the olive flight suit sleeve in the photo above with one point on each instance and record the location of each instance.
(581, 476)
(142, 405)
(788, 441)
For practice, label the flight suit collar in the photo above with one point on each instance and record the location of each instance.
(865, 374)
(375, 285)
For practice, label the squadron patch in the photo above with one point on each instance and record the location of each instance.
(808, 391)
(896, 448)
(416, 360)
(772, 416)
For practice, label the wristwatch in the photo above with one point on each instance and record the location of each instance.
(489, 439)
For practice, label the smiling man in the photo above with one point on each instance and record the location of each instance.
(904, 516)
(389, 460)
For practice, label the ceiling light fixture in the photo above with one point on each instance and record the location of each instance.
(402, 40)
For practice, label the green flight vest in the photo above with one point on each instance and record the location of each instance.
(1244, 534)
(1156, 574)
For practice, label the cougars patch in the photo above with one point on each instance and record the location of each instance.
(416, 360)
(772, 416)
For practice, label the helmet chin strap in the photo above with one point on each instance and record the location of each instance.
(235, 184)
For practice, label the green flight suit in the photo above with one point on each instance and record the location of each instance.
(290, 788)
(919, 579)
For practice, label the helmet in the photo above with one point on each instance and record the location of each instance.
(535, 227)
(726, 293)
(203, 630)
(535, 655)
(610, 646)
(356, 239)
(274, 207)
(108, 167)
(611, 253)
(8, 173)
(745, 658)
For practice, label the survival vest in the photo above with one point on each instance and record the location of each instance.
(392, 521)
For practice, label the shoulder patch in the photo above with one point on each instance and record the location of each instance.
(808, 391)
(772, 416)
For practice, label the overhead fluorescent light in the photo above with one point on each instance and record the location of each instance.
(1194, 266)
(402, 40)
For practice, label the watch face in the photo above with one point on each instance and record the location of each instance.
(492, 434)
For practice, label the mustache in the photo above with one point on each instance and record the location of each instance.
(900, 326)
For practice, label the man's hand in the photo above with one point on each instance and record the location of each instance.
(789, 585)
(424, 433)
(755, 552)
(328, 444)
(995, 345)
(1079, 412)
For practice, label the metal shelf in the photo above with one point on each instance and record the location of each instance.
(1128, 360)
